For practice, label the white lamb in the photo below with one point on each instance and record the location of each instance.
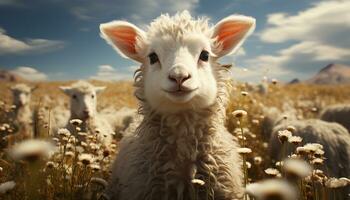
(181, 150)
(22, 115)
(83, 99)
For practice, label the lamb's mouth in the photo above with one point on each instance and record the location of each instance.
(180, 92)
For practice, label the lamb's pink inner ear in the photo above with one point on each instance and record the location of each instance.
(124, 37)
(230, 34)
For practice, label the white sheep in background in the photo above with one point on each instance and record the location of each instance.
(119, 119)
(83, 100)
(339, 113)
(131, 129)
(181, 150)
(274, 117)
(59, 115)
(52, 113)
(334, 138)
(22, 114)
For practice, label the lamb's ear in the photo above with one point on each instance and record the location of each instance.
(230, 33)
(99, 89)
(125, 37)
(66, 89)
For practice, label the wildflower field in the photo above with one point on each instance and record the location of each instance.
(62, 165)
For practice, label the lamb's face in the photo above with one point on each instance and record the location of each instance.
(178, 74)
(21, 98)
(177, 55)
(21, 94)
(83, 102)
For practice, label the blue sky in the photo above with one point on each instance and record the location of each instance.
(59, 40)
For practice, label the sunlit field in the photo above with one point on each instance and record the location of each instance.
(61, 166)
(174, 100)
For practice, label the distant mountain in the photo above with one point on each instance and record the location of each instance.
(7, 76)
(294, 81)
(332, 74)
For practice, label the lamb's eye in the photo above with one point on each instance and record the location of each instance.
(92, 96)
(74, 96)
(204, 56)
(153, 58)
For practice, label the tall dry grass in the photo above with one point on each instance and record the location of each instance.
(65, 176)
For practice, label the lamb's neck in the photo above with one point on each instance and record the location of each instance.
(205, 118)
(184, 140)
(186, 129)
(23, 112)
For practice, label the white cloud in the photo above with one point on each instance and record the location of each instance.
(241, 52)
(10, 45)
(314, 51)
(298, 60)
(29, 73)
(317, 51)
(319, 34)
(322, 23)
(108, 73)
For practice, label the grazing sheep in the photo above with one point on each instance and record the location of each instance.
(334, 138)
(83, 106)
(337, 113)
(181, 149)
(274, 117)
(22, 115)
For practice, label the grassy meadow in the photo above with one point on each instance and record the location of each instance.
(77, 170)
